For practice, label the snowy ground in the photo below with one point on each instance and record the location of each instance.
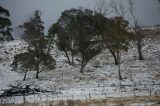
(100, 80)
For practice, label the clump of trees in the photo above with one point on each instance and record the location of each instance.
(76, 35)
(37, 57)
(5, 23)
(83, 33)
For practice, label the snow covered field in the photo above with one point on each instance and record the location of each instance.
(100, 80)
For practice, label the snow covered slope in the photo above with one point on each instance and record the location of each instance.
(100, 80)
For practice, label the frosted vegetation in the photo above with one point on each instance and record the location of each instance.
(87, 59)
(100, 78)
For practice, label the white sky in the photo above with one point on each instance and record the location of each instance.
(148, 11)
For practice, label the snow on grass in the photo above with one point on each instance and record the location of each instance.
(7, 52)
(100, 80)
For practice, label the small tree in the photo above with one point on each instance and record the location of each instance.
(102, 24)
(117, 38)
(23, 62)
(5, 24)
(34, 36)
(26, 61)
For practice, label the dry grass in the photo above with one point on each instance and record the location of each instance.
(94, 102)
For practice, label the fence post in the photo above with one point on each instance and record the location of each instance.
(153, 83)
(150, 92)
(72, 96)
(89, 95)
(134, 92)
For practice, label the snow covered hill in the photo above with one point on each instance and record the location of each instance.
(100, 80)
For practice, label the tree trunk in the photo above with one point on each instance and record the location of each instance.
(25, 75)
(69, 62)
(139, 47)
(72, 52)
(72, 59)
(140, 55)
(37, 72)
(119, 65)
(114, 56)
(82, 66)
(119, 71)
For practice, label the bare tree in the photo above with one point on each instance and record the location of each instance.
(118, 8)
(139, 36)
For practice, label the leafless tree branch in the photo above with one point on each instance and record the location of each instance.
(102, 7)
(118, 8)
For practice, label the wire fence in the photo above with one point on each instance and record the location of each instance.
(98, 91)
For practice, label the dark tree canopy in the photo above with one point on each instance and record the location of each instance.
(62, 30)
(114, 35)
(76, 33)
(85, 36)
(5, 24)
(33, 29)
(26, 61)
